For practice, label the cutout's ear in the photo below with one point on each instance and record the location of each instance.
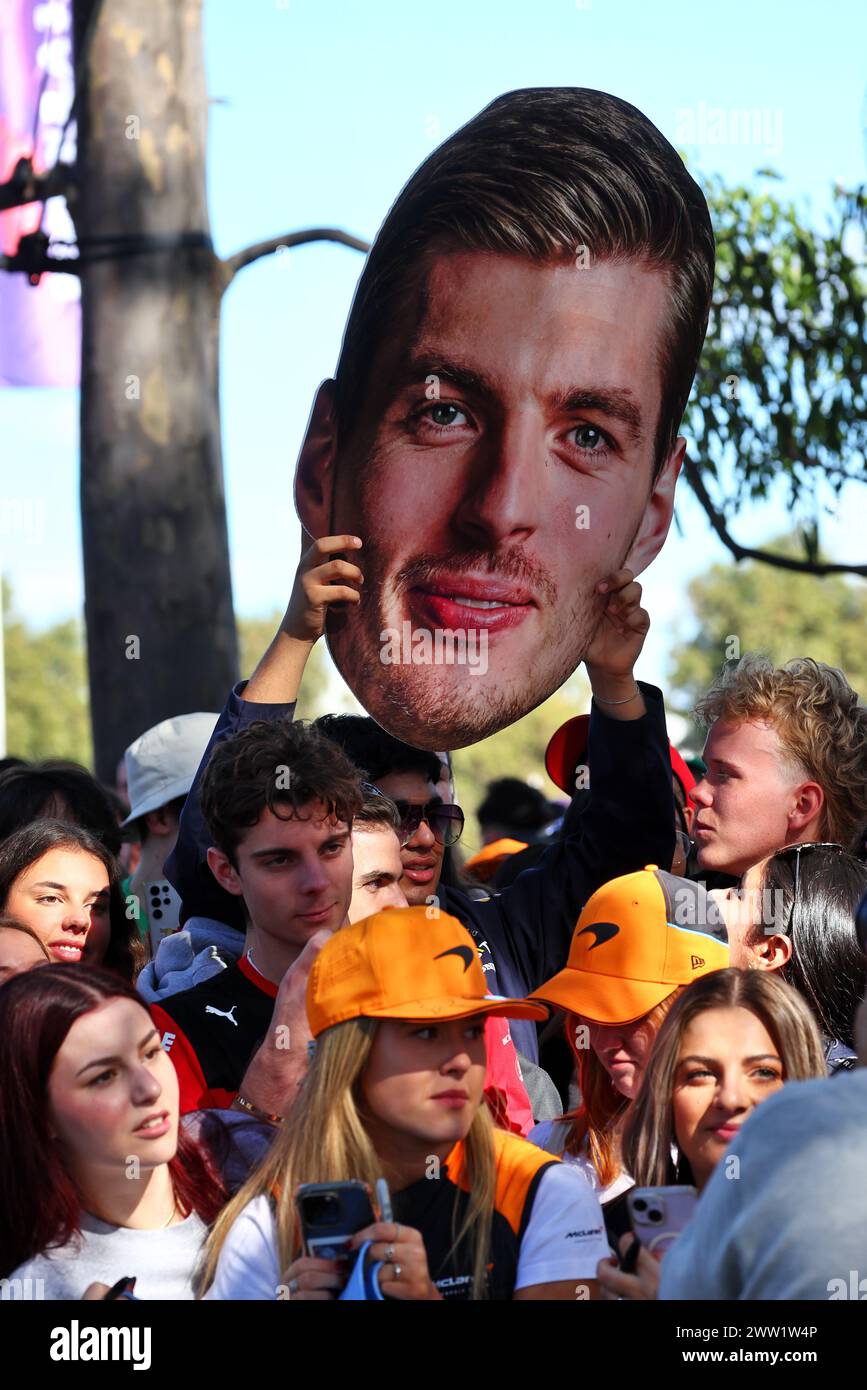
(314, 473)
(656, 521)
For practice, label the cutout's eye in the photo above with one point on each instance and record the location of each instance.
(589, 438)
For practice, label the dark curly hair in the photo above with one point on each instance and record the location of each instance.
(282, 767)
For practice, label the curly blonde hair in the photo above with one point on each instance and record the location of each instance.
(820, 723)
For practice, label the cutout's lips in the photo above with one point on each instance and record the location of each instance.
(463, 603)
(482, 589)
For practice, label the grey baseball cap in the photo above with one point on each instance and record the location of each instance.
(162, 763)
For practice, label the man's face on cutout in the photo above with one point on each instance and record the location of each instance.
(501, 466)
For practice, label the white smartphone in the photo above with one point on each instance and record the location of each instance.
(163, 907)
(659, 1214)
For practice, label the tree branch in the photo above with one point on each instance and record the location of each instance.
(693, 476)
(232, 264)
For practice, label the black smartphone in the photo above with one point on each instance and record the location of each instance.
(330, 1213)
(123, 1289)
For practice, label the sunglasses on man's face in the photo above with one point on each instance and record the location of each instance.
(446, 822)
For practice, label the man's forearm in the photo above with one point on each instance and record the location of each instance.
(271, 1087)
(277, 678)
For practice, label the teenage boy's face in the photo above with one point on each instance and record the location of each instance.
(501, 467)
(295, 875)
(377, 871)
(745, 799)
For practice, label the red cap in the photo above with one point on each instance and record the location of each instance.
(567, 747)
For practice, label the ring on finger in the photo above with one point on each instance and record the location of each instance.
(397, 1272)
(389, 1255)
(293, 1286)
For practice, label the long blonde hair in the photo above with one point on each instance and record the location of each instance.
(648, 1134)
(324, 1139)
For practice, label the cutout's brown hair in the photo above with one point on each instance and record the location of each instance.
(545, 173)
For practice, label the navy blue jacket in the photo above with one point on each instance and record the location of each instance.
(624, 821)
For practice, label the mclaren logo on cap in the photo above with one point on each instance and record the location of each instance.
(466, 954)
(603, 931)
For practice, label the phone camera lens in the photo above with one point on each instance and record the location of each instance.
(654, 1215)
(639, 1204)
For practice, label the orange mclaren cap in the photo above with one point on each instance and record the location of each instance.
(401, 963)
(638, 938)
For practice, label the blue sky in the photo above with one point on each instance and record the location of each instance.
(322, 110)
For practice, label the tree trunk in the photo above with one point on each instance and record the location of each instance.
(158, 598)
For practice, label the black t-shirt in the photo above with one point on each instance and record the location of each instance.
(436, 1207)
(212, 1030)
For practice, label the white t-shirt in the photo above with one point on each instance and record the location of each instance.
(551, 1136)
(564, 1239)
(162, 1261)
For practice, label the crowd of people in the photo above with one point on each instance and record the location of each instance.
(269, 1031)
(272, 968)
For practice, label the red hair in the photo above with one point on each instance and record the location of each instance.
(41, 1208)
(597, 1121)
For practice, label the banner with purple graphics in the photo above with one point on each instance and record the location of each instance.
(39, 324)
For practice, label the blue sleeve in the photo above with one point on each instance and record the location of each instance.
(187, 866)
(626, 822)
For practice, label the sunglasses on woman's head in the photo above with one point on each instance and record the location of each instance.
(795, 852)
(446, 822)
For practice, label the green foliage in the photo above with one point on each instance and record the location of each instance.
(46, 689)
(47, 705)
(517, 751)
(770, 610)
(781, 390)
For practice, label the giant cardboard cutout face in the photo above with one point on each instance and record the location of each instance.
(502, 463)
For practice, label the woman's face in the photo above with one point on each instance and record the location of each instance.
(113, 1093)
(742, 910)
(424, 1081)
(622, 1049)
(63, 897)
(727, 1064)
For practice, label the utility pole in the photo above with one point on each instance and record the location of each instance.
(161, 634)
